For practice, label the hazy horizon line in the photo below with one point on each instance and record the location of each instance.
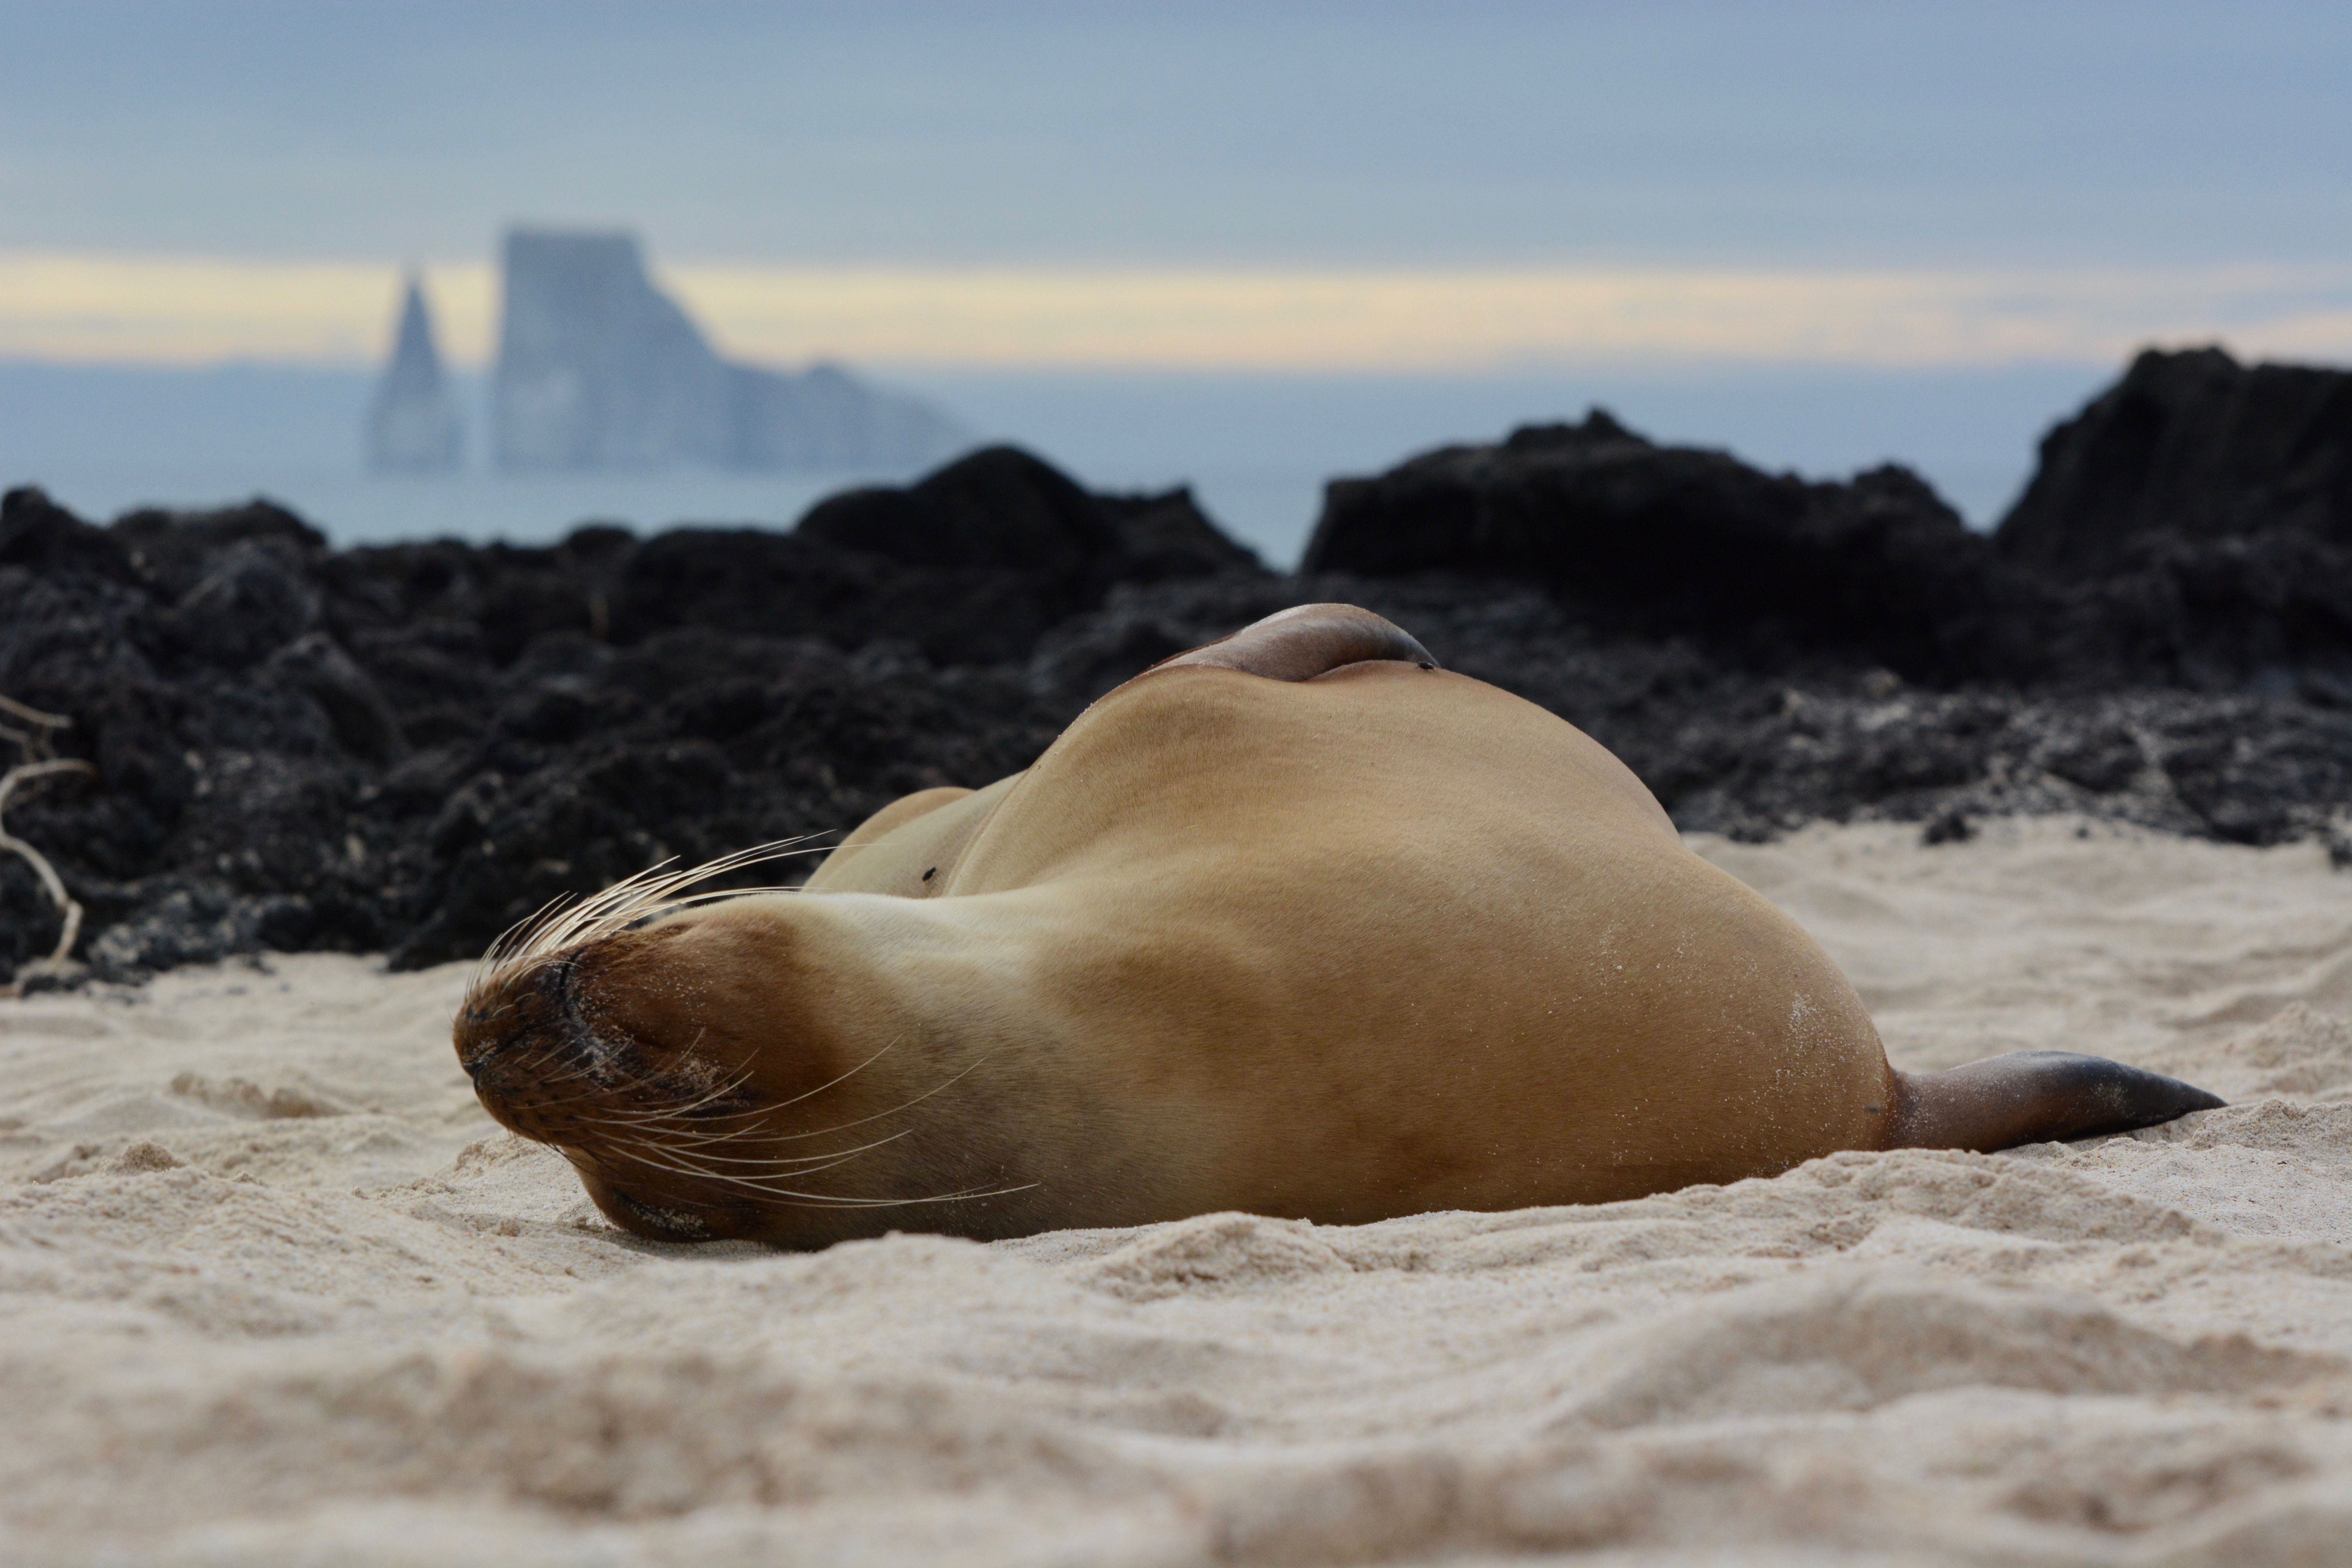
(94, 309)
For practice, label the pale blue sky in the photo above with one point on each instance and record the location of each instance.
(1360, 134)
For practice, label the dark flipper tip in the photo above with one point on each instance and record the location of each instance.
(2034, 1097)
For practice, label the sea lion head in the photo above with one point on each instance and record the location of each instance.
(686, 1061)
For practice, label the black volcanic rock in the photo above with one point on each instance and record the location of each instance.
(997, 508)
(1652, 541)
(173, 550)
(1002, 509)
(998, 546)
(2189, 448)
(2272, 613)
(1773, 573)
(407, 747)
(38, 535)
(597, 763)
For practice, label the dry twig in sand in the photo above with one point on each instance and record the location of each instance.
(32, 735)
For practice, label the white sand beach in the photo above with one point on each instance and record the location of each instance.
(273, 1290)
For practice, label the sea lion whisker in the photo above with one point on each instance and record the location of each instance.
(826, 1200)
(653, 885)
(656, 900)
(584, 925)
(963, 1196)
(600, 1089)
(558, 1081)
(566, 926)
(715, 895)
(581, 1067)
(533, 1062)
(696, 1135)
(780, 1160)
(545, 1052)
(515, 934)
(786, 1160)
(565, 1071)
(908, 1105)
(527, 932)
(688, 1159)
(740, 1133)
(845, 1077)
(728, 1087)
(810, 1094)
(542, 931)
(753, 1183)
(702, 1131)
(560, 924)
(495, 956)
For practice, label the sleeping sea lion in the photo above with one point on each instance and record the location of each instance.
(1296, 922)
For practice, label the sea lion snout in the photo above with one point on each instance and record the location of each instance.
(536, 1039)
(676, 1066)
(626, 1018)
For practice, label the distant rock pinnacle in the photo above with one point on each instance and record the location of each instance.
(413, 427)
(598, 369)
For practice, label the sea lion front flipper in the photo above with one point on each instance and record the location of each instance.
(2033, 1097)
(910, 847)
(1306, 641)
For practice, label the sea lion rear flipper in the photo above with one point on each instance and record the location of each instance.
(2032, 1097)
(1306, 641)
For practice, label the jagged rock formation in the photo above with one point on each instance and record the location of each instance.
(598, 369)
(1656, 541)
(825, 418)
(406, 747)
(1770, 572)
(2189, 449)
(413, 424)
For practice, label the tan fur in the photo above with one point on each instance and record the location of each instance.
(1378, 942)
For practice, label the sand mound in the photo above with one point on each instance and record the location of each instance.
(273, 1290)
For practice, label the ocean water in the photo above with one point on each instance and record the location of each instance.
(1269, 511)
(1256, 449)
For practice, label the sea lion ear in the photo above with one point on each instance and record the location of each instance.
(1306, 641)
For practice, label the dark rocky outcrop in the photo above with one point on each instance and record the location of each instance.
(2188, 449)
(406, 747)
(1773, 573)
(2196, 520)
(1651, 540)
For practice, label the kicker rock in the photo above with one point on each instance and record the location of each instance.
(413, 426)
(599, 369)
